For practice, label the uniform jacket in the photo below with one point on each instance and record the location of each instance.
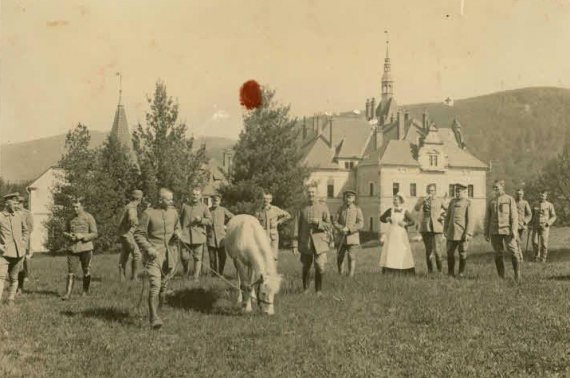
(14, 234)
(270, 218)
(432, 212)
(351, 217)
(157, 231)
(459, 220)
(543, 215)
(29, 219)
(524, 213)
(129, 219)
(502, 217)
(194, 232)
(407, 217)
(304, 230)
(85, 225)
(217, 230)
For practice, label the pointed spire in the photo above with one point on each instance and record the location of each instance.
(120, 127)
(387, 81)
(120, 86)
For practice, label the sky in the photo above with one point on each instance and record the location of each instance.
(59, 59)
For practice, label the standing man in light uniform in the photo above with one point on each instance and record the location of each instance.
(271, 217)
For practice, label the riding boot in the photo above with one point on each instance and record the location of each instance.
(185, 268)
(68, 288)
(155, 321)
(339, 262)
(305, 276)
(135, 270)
(462, 263)
(500, 266)
(222, 263)
(318, 281)
(21, 280)
(429, 264)
(517, 269)
(122, 273)
(86, 284)
(197, 270)
(451, 265)
(438, 263)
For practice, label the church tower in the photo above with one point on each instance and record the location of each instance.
(387, 107)
(120, 127)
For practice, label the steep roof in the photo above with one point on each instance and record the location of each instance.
(121, 131)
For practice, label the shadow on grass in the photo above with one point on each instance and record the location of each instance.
(209, 301)
(565, 277)
(52, 293)
(108, 314)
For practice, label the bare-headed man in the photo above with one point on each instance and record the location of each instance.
(270, 217)
(194, 219)
(127, 227)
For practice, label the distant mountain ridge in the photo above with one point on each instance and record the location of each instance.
(27, 160)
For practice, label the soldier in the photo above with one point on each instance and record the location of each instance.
(525, 215)
(271, 217)
(157, 236)
(216, 234)
(348, 221)
(542, 218)
(458, 229)
(80, 231)
(501, 225)
(26, 271)
(194, 219)
(311, 238)
(14, 235)
(431, 226)
(129, 222)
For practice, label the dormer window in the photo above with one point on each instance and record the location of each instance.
(348, 164)
(433, 160)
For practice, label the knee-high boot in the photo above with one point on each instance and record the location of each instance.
(517, 269)
(153, 302)
(451, 265)
(68, 288)
(500, 266)
(318, 281)
(86, 284)
(305, 276)
(462, 263)
(21, 280)
(135, 270)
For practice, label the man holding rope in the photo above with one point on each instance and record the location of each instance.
(157, 236)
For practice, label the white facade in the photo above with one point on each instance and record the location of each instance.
(41, 201)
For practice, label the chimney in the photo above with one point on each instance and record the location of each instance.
(401, 125)
(378, 137)
(372, 107)
(368, 109)
(331, 132)
(406, 115)
(424, 121)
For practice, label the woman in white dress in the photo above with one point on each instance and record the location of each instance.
(396, 254)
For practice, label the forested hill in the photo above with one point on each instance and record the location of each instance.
(517, 130)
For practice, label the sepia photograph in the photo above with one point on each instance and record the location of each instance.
(304, 188)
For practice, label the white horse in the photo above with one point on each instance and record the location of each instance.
(249, 246)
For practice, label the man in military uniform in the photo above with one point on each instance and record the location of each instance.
(525, 215)
(543, 216)
(458, 229)
(80, 231)
(311, 238)
(194, 219)
(431, 227)
(348, 222)
(26, 270)
(271, 217)
(157, 236)
(129, 222)
(14, 235)
(501, 228)
(216, 234)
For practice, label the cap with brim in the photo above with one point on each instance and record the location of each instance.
(216, 195)
(460, 185)
(350, 191)
(14, 195)
(137, 194)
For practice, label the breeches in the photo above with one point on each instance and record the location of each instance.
(500, 241)
(129, 247)
(349, 250)
(430, 243)
(540, 240)
(319, 260)
(74, 259)
(10, 267)
(194, 251)
(461, 245)
(158, 276)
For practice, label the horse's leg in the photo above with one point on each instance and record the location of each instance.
(245, 286)
(240, 296)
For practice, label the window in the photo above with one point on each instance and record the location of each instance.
(433, 160)
(330, 190)
(371, 224)
(413, 189)
(348, 164)
(395, 188)
(470, 191)
(451, 190)
(371, 189)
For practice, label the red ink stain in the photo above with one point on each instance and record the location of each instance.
(250, 95)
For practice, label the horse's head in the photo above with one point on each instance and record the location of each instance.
(269, 286)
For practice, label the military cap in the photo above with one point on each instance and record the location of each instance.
(461, 185)
(137, 194)
(15, 195)
(216, 195)
(349, 191)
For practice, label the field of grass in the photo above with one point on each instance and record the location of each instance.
(374, 325)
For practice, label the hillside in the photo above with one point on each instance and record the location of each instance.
(27, 160)
(518, 130)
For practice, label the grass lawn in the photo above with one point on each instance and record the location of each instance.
(374, 325)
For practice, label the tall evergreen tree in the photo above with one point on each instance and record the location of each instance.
(266, 157)
(165, 155)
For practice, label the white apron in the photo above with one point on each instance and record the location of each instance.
(396, 252)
